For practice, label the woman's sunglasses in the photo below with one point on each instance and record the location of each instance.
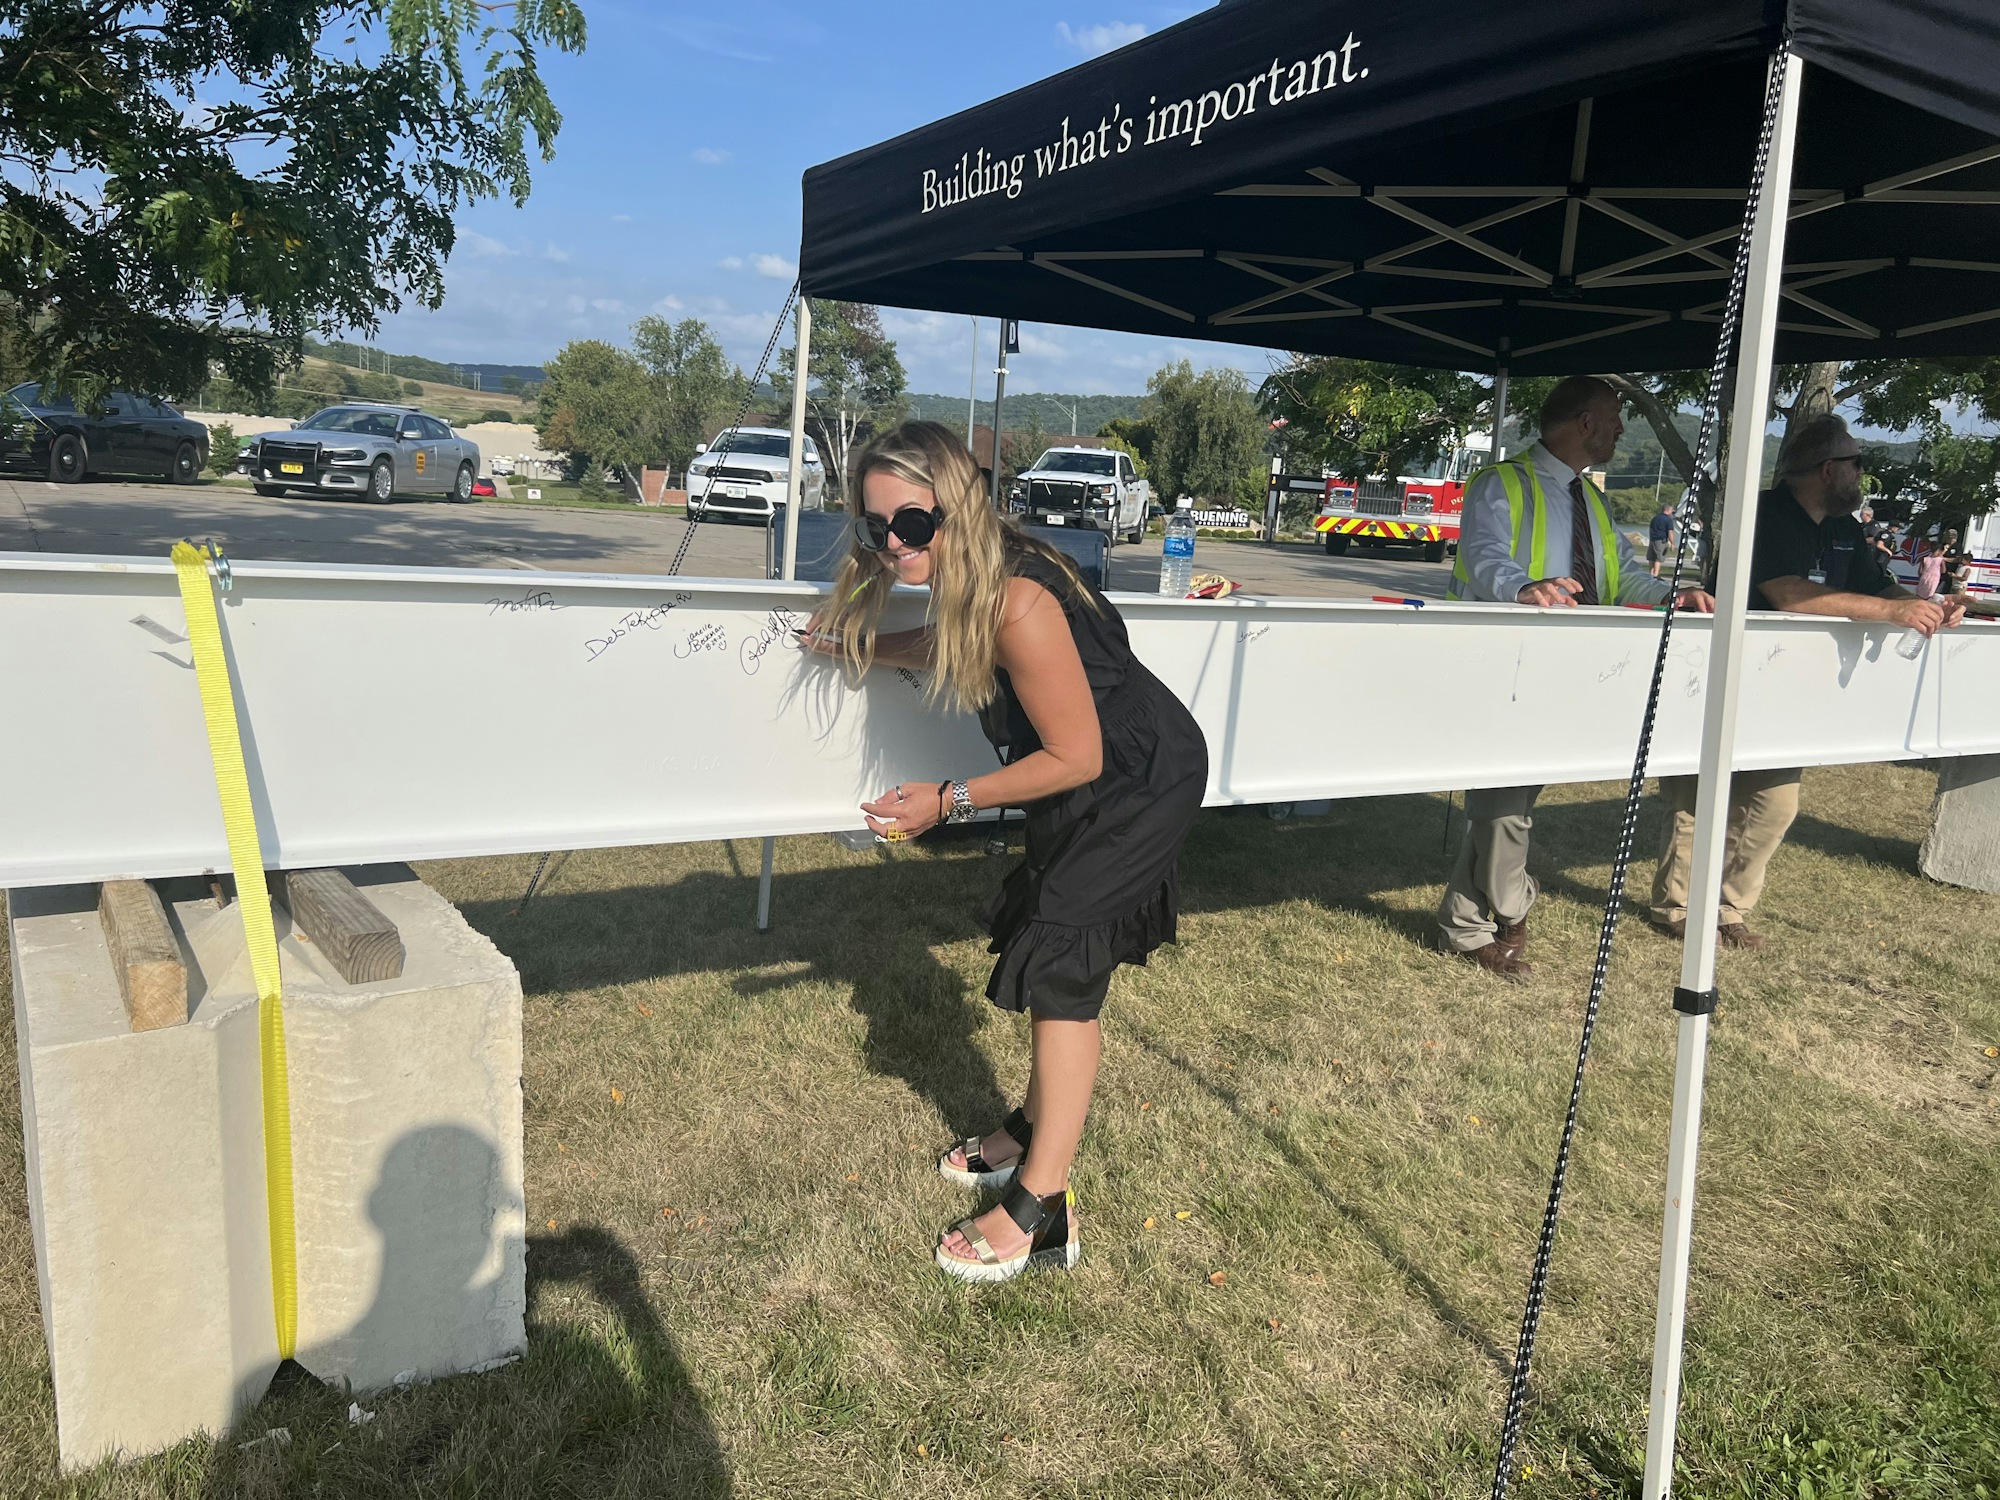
(913, 526)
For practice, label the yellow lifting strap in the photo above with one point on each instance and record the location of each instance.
(253, 899)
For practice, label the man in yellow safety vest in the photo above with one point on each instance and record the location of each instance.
(1521, 516)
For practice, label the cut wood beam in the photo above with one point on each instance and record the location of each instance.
(362, 944)
(152, 975)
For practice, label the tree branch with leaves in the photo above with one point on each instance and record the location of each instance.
(199, 183)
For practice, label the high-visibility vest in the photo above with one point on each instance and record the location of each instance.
(1527, 524)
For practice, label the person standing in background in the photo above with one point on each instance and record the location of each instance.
(1929, 557)
(1536, 531)
(1660, 538)
(1809, 557)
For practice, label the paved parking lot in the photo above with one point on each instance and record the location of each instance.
(126, 518)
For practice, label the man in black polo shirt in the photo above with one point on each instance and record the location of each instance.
(1810, 557)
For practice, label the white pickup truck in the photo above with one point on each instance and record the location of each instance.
(1094, 487)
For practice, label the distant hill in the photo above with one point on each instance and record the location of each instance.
(487, 377)
(1051, 412)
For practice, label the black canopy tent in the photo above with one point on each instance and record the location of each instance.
(1547, 186)
(1551, 187)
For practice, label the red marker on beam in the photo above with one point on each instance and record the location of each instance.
(1395, 599)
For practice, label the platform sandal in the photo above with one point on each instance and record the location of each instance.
(1049, 1223)
(977, 1171)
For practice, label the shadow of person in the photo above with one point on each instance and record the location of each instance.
(449, 1294)
(589, 1398)
(869, 928)
(922, 1020)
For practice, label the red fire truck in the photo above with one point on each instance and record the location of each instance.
(1420, 513)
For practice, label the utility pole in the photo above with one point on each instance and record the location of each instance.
(1072, 415)
(1010, 343)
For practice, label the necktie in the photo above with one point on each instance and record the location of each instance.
(1582, 555)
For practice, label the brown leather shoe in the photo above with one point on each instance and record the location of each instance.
(1512, 938)
(1736, 935)
(1498, 962)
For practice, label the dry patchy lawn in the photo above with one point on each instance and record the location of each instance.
(731, 1289)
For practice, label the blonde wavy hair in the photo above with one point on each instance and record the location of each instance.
(969, 570)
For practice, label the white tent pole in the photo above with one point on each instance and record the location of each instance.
(795, 486)
(1497, 450)
(795, 501)
(972, 387)
(1762, 293)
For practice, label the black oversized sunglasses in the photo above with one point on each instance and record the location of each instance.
(913, 526)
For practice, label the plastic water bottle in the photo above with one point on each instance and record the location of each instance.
(1177, 553)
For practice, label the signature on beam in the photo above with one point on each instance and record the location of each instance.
(652, 618)
(539, 599)
(705, 638)
(777, 630)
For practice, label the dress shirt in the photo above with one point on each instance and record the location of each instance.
(1486, 537)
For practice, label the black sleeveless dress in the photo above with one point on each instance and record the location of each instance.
(1100, 885)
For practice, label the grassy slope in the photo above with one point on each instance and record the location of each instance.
(729, 1260)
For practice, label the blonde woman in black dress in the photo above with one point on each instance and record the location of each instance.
(1107, 763)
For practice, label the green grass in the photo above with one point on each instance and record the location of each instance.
(1357, 1130)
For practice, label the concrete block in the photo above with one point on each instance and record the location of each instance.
(146, 1164)
(1963, 847)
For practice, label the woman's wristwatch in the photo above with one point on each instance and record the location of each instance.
(955, 797)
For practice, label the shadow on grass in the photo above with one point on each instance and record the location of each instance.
(585, 1412)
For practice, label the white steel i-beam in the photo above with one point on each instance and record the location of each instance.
(1763, 292)
(437, 713)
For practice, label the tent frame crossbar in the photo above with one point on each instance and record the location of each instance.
(1519, 273)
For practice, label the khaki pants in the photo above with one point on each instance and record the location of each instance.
(1762, 805)
(1490, 885)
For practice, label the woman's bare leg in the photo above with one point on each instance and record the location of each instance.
(1059, 1090)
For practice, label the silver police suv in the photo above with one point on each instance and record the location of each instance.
(374, 451)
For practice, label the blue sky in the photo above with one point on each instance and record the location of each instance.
(675, 187)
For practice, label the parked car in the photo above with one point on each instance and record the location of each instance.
(374, 451)
(1093, 487)
(45, 433)
(750, 479)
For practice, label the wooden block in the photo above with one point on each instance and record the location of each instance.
(360, 943)
(152, 976)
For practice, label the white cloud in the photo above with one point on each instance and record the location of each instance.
(606, 305)
(1106, 36)
(776, 267)
(482, 244)
(708, 156)
(731, 263)
(621, 218)
(668, 303)
(555, 253)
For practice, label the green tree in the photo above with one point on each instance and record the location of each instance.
(856, 385)
(1020, 448)
(1133, 435)
(1945, 483)
(147, 235)
(223, 445)
(1207, 435)
(695, 388)
(597, 407)
(1359, 418)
